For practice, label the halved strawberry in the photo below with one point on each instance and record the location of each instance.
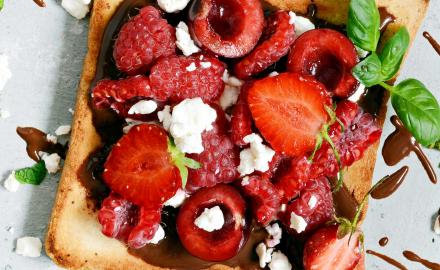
(143, 166)
(324, 250)
(289, 110)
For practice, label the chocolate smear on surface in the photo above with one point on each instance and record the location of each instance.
(387, 259)
(386, 18)
(383, 241)
(40, 3)
(36, 141)
(415, 258)
(390, 184)
(433, 42)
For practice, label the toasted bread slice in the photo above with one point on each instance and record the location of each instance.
(74, 239)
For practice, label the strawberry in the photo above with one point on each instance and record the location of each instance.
(289, 110)
(324, 250)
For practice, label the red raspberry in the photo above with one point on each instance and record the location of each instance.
(189, 77)
(294, 179)
(146, 228)
(241, 120)
(265, 198)
(142, 40)
(219, 159)
(278, 37)
(276, 162)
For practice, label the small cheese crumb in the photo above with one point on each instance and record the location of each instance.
(231, 80)
(178, 199)
(29, 247)
(302, 24)
(356, 96)
(229, 96)
(171, 6)
(165, 117)
(255, 158)
(51, 138)
(283, 207)
(312, 202)
(143, 107)
(191, 67)
(205, 64)
(292, 17)
(76, 8)
(5, 72)
(437, 225)
(4, 114)
(11, 183)
(279, 262)
(158, 236)
(71, 111)
(51, 161)
(184, 41)
(297, 223)
(63, 130)
(275, 234)
(211, 219)
(273, 74)
(264, 254)
(245, 181)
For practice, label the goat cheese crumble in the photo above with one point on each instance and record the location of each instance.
(76, 8)
(29, 247)
(275, 234)
(158, 236)
(51, 138)
(264, 254)
(255, 158)
(178, 199)
(297, 223)
(63, 130)
(52, 161)
(11, 183)
(184, 41)
(171, 6)
(211, 219)
(279, 262)
(143, 107)
(302, 24)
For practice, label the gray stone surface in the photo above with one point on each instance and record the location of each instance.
(46, 48)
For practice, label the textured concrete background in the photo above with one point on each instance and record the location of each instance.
(46, 48)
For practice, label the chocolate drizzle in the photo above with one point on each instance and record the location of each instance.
(400, 144)
(387, 259)
(383, 241)
(433, 42)
(40, 3)
(390, 184)
(386, 18)
(36, 141)
(415, 258)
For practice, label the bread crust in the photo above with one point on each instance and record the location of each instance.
(74, 239)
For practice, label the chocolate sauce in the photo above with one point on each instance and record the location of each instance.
(400, 144)
(383, 241)
(390, 184)
(40, 3)
(433, 42)
(36, 141)
(387, 259)
(415, 258)
(386, 18)
(345, 204)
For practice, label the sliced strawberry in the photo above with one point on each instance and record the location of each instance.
(289, 111)
(230, 28)
(324, 251)
(278, 36)
(241, 120)
(221, 244)
(140, 167)
(327, 55)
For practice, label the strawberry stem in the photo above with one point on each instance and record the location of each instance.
(181, 162)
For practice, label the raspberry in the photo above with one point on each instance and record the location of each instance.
(149, 220)
(189, 77)
(274, 164)
(294, 179)
(265, 198)
(241, 120)
(279, 35)
(219, 159)
(142, 40)
(314, 204)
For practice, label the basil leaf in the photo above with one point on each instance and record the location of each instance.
(435, 146)
(418, 109)
(368, 72)
(1, 4)
(33, 175)
(393, 53)
(363, 24)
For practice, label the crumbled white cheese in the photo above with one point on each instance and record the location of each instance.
(205, 64)
(437, 225)
(4, 114)
(302, 24)
(76, 8)
(231, 80)
(184, 41)
(292, 17)
(358, 93)
(51, 161)
(63, 130)
(275, 234)
(279, 262)
(211, 219)
(297, 223)
(312, 202)
(264, 254)
(245, 181)
(143, 107)
(189, 119)
(29, 247)
(51, 138)
(273, 74)
(171, 6)
(71, 111)
(191, 67)
(255, 158)
(11, 183)
(177, 199)
(159, 235)
(5, 72)
(229, 96)
(283, 207)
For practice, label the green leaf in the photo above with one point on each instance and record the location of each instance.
(418, 109)
(345, 227)
(393, 53)
(363, 24)
(368, 72)
(181, 162)
(33, 175)
(1, 4)
(435, 145)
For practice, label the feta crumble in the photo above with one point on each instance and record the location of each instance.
(273, 74)
(52, 161)
(297, 223)
(184, 41)
(158, 236)
(245, 181)
(171, 6)
(4, 114)
(71, 111)
(358, 93)
(231, 80)
(76, 8)
(312, 202)
(11, 183)
(229, 96)
(205, 64)
(437, 225)
(275, 234)
(189, 119)
(264, 254)
(143, 107)
(191, 67)
(178, 199)
(29, 247)
(279, 262)
(211, 219)
(5, 72)
(255, 158)
(63, 130)
(302, 24)
(51, 138)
